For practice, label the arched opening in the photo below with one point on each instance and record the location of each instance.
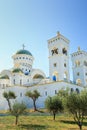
(54, 51)
(77, 90)
(65, 75)
(21, 82)
(14, 81)
(64, 51)
(77, 63)
(85, 63)
(37, 78)
(78, 81)
(72, 90)
(55, 76)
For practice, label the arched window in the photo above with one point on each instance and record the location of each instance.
(72, 90)
(78, 81)
(77, 63)
(54, 51)
(65, 75)
(54, 78)
(85, 63)
(20, 82)
(77, 90)
(14, 81)
(64, 51)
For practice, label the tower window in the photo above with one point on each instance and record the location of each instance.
(46, 93)
(78, 73)
(54, 51)
(85, 63)
(64, 64)
(77, 63)
(86, 74)
(64, 51)
(55, 64)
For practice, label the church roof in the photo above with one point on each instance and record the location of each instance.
(17, 70)
(4, 77)
(24, 52)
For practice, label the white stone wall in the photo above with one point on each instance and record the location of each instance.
(59, 42)
(45, 90)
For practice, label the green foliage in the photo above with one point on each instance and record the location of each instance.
(54, 105)
(34, 96)
(62, 93)
(76, 104)
(9, 95)
(17, 110)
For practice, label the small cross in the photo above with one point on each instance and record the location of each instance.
(23, 46)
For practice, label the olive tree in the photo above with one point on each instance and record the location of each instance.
(9, 95)
(34, 95)
(54, 105)
(17, 110)
(76, 104)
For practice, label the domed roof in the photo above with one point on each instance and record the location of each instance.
(17, 70)
(24, 52)
(4, 77)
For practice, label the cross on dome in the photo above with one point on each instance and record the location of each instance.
(23, 46)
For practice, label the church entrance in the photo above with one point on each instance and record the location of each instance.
(55, 76)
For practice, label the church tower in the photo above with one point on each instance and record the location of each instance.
(79, 63)
(59, 58)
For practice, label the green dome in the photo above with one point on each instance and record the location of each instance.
(24, 52)
(4, 77)
(17, 70)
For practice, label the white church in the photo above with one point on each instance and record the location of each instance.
(23, 77)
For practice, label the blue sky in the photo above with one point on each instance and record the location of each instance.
(33, 22)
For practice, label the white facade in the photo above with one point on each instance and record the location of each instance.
(79, 65)
(59, 58)
(23, 77)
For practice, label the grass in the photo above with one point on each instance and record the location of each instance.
(38, 121)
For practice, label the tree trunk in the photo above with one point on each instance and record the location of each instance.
(54, 116)
(80, 125)
(16, 121)
(34, 105)
(9, 105)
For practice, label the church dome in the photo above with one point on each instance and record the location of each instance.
(4, 77)
(17, 70)
(24, 52)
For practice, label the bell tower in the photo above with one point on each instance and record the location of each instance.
(79, 63)
(59, 58)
